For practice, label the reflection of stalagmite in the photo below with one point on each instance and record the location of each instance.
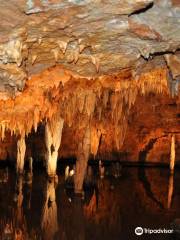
(21, 149)
(53, 133)
(29, 172)
(4, 174)
(19, 220)
(31, 165)
(89, 175)
(116, 169)
(76, 222)
(49, 223)
(91, 208)
(101, 169)
(170, 190)
(68, 172)
(19, 200)
(173, 154)
(28, 195)
(82, 160)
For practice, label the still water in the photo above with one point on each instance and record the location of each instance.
(111, 209)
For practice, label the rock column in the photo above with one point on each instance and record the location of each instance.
(53, 134)
(173, 154)
(82, 160)
(21, 150)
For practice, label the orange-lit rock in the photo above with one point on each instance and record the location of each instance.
(111, 66)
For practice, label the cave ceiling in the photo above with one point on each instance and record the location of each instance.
(83, 45)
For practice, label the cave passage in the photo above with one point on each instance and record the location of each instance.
(89, 119)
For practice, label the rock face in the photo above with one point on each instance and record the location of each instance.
(111, 65)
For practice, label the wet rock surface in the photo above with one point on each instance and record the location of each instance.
(89, 62)
(87, 36)
(111, 209)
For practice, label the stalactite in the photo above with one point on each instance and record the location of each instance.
(21, 149)
(105, 97)
(70, 110)
(118, 112)
(99, 112)
(53, 134)
(2, 129)
(173, 154)
(114, 99)
(95, 138)
(155, 81)
(174, 87)
(82, 160)
(36, 118)
(90, 103)
(69, 113)
(120, 132)
(43, 98)
(96, 62)
(81, 97)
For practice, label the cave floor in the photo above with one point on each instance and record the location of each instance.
(111, 207)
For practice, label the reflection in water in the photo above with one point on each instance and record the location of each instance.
(147, 187)
(18, 198)
(111, 208)
(15, 226)
(49, 224)
(170, 190)
(3, 175)
(142, 173)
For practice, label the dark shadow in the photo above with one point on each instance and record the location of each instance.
(142, 174)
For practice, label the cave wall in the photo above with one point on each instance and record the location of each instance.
(111, 66)
(151, 117)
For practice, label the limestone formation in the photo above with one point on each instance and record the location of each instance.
(173, 153)
(170, 191)
(82, 160)
(49, 221)
(21, 150)
(115, 63)
(53, 133)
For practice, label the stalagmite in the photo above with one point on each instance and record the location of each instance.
(53, 133)
(82, 160)
(21, 149)
(173, 154)
(66, 172)
(170, 190)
